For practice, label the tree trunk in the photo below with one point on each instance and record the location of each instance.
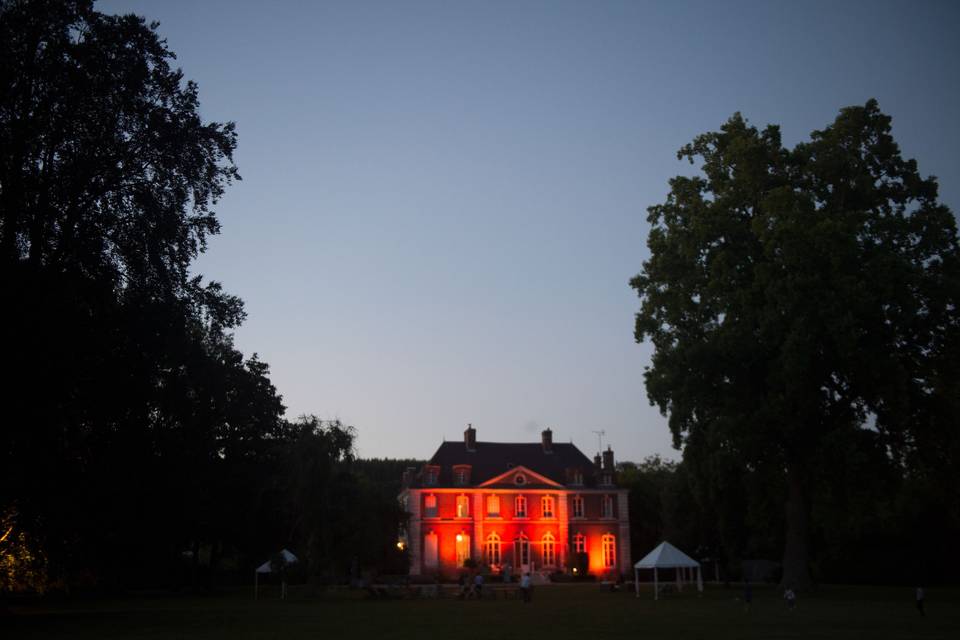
(796, 566)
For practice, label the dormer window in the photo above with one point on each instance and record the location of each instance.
(461, 475)
(431, 476)
(576, 477)
(607, 480)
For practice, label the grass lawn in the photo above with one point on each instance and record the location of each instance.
(557, 612)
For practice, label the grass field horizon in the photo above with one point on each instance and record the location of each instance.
(557, 612)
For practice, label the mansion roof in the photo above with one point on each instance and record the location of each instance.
(561, 463)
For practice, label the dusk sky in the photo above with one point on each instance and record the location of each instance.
(442, 203)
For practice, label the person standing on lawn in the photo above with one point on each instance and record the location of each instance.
(478, 585)
(525, 587)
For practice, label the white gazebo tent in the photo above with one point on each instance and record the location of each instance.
(666, 556)
(287, 558)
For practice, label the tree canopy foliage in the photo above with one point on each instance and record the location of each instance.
(139, 445)
(803, 302)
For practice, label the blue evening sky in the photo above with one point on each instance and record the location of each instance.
(442, 202)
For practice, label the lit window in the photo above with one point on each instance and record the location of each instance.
(549, 545)
(609, 545)
(491, 550)
(462, 548)
(546, 506)
(463, 506)
(430, 506)
(607, 506)
(493, 506)
(577, 506)
(430, 550)
(580, 543)
(521, 550)
(520, 507)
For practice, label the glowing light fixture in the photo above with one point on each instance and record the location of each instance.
(400, 545)
(459, 537)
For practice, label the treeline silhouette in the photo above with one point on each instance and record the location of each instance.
(139, 447)
(864, 530)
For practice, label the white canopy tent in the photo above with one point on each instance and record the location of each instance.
(666, 556)
(287, 558)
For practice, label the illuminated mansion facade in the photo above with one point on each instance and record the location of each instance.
(540, 506)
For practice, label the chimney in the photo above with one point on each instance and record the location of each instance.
(546, 437)
(470, 438)
(608, 459)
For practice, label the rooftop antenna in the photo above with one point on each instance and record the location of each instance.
(600, 435)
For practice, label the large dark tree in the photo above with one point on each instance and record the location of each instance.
(107, 169)
(133, 429)
(803, 301)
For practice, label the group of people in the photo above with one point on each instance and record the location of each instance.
(474, 588)
(471, 588)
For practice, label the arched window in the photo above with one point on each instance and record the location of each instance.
(609, 546)
(491, 550)
(521, 550)
(580, 543)
(549, 545)
(493, 506)
(546, 506)
(520, 507)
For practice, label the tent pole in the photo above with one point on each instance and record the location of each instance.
(656, 589)
(699, 580)
(636, 580)
(256, 585)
